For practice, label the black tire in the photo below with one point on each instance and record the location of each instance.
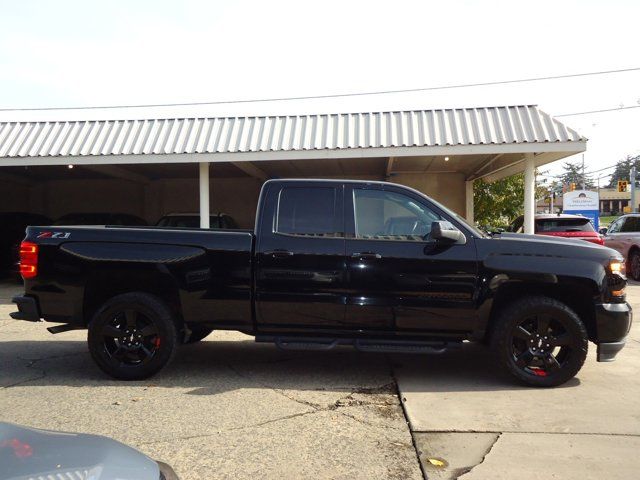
(197, 334)
(540, 341)
(634, 265)
(132, 336)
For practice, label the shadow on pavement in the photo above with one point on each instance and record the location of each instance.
(470, 369)
(213, 367)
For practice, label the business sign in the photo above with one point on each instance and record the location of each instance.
(583, 202)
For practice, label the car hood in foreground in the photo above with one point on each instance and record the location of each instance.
(27, 453)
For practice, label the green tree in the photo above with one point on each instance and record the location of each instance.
(496, 204)
(623, 167)
(573, 174)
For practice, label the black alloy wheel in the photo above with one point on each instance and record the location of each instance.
(541, 345)
(132, 336)
(540, 341)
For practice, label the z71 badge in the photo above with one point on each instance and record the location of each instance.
(54, 235)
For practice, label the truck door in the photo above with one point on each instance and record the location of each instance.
(300, 262)
(398, 280)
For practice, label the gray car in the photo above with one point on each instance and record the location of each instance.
(623, 235)
(30, 453)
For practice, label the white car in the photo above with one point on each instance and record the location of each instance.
(623, 235)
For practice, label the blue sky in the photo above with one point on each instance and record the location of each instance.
(72, 53)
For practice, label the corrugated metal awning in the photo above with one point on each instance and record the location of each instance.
(512, 125)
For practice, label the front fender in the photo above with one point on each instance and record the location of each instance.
(505, 277)
(548, 269)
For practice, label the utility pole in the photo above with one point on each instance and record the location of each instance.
(632, 179)
(583, 182)
(551, 195)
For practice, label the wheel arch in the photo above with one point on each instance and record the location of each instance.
(577, 294)
(108, 281)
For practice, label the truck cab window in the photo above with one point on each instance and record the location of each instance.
(308, 212)
(384, 215)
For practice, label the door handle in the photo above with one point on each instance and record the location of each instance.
(367, 256)
(279, 253)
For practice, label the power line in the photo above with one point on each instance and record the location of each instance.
(586, 174)
(341, 95)
(596, 111)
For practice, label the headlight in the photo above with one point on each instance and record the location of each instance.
(617, 267)
(617, 280)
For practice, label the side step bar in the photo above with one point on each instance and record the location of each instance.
(363, 345)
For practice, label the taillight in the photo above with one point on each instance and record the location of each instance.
(28, 260)
(597, 240)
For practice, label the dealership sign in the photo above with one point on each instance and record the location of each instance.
(582, 202)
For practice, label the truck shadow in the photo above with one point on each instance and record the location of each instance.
(216, 366)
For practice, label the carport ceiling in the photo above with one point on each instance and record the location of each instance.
(366, 167)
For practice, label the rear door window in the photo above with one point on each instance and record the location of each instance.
(308, 211)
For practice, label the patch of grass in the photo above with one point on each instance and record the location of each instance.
(605, 221)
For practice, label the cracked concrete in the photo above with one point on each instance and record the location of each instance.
(447, 455)
(225, 408)
(569, 457)
(482, 425)
(230, 408)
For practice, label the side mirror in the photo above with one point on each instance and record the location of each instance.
(443, 231)
(603, 231)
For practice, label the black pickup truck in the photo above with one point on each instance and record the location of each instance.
(374, 265)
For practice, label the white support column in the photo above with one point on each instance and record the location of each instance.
(204, 194)
(529, 193)
(469, 201)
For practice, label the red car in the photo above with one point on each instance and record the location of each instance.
(560, 225)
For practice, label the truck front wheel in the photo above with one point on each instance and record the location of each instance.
(132, 336)
(540, 341)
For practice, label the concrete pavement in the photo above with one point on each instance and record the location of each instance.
(225, 408)
(587, 427)
(230, 408)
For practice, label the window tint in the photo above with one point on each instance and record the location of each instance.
(564, 225)
(308, 212)
(383, 215)
(631, 224)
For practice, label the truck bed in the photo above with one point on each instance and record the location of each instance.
(210, 268)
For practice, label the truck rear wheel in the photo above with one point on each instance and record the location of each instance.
(132, 336)
(540, 341)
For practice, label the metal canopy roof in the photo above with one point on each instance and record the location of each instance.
(415, 132)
